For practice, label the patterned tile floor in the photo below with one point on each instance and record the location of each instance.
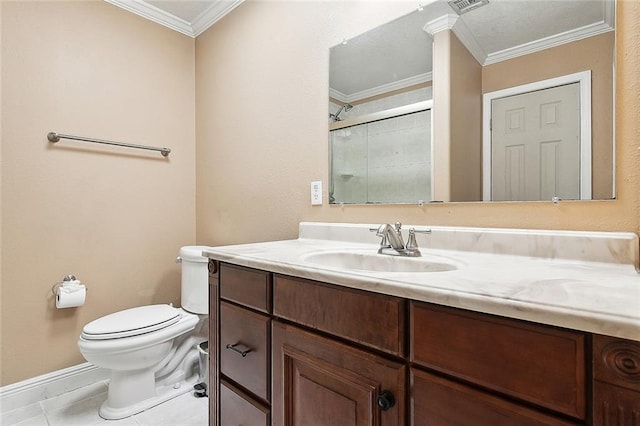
(80, 408)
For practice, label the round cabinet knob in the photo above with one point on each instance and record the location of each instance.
(386, 400)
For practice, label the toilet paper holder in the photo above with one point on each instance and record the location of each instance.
(67, 279)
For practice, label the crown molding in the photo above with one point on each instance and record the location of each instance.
(380, 90)
(212, 15)
(468, 39)
(201, 23)
(548, 42)
(445, 22)
(154, 14)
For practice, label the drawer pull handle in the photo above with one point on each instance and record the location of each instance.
(386, 400)
(239, 349)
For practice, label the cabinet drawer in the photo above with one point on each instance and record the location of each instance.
(437, 401)
(249, 287)
(369, 318)
(617, 361)
(239, 409)
(540, 364)
(242, 330)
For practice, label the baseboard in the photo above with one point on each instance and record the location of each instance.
(49, 385)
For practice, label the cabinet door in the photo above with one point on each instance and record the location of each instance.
(320, 382)
(441, 402)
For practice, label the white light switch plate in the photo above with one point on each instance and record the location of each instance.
(316, 193)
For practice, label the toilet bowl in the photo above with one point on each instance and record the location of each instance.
(151, 350)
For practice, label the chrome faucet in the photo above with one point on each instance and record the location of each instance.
(393, 236)
(393, 243)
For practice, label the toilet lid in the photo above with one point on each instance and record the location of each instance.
(131, 322)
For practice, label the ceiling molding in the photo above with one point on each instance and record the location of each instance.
(470, 42)
(212, 15)
(154, 14)
(380, 90)
(201, 23)
(466, 37)
(445, 22)
(548, 42)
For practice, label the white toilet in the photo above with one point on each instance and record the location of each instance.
(152, 350)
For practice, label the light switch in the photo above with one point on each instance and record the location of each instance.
(316, 193)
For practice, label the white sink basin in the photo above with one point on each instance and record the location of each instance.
(365, 261)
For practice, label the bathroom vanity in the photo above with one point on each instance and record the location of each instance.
(517, 327)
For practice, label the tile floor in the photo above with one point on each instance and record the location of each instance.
(80, 408)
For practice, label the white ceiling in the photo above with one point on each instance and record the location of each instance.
(497, 31)
(190, 17)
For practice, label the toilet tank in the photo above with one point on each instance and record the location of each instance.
(195, 280)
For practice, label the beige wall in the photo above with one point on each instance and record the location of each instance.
(262, 130)
(457, 121)
(466, 124)
(262, 77)
(114, 217)
(593, 53)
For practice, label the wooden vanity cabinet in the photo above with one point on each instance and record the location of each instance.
(616, 386)
(323, 354)
(245, 346)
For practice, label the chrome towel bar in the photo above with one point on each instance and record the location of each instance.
(54, 137)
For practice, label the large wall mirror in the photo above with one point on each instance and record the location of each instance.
(476, 100)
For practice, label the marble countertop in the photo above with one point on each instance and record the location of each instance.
(590, 285)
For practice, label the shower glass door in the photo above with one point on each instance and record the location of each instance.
(384, 161)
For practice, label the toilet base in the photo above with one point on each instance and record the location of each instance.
(162, 394)
(133, 391)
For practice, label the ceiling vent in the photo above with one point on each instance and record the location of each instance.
(464, 6)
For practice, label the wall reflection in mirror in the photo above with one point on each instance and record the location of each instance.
(504, 101)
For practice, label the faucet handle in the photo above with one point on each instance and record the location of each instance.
(412, 244)
(398, 226)
(426, 231)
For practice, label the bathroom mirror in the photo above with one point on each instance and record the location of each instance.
(485, 100)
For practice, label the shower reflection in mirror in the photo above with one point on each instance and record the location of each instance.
(344, 108)
(381, 157)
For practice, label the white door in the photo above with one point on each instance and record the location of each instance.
(535, 145)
